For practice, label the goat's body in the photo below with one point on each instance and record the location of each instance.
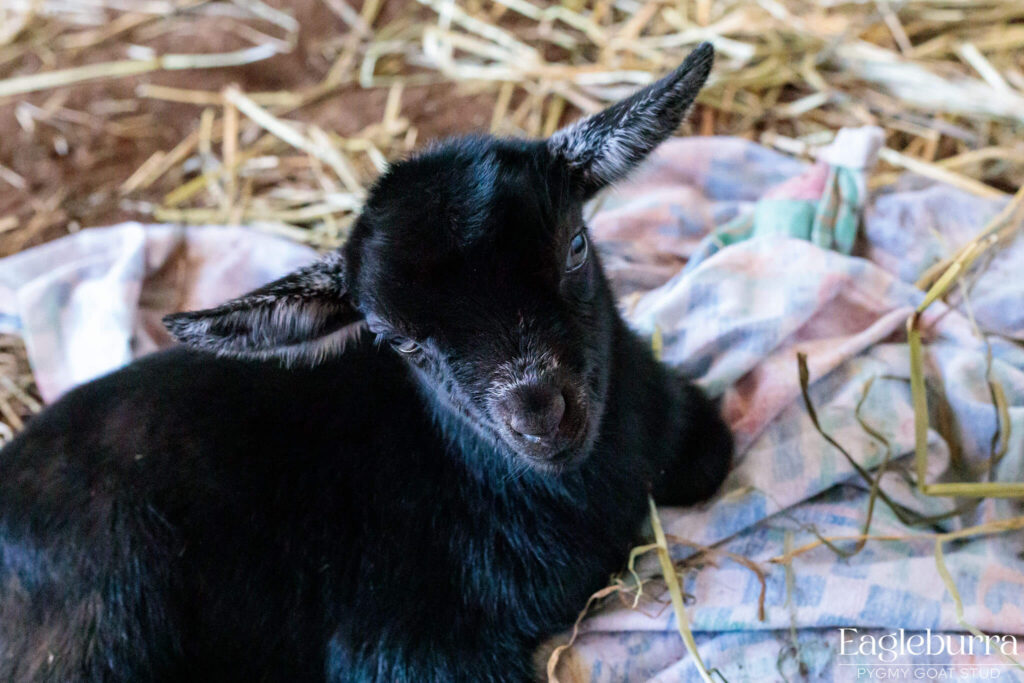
(428, 513)
(192, 518)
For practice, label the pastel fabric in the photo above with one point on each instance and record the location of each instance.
(735, 318)
(88, 303)
(732, 313)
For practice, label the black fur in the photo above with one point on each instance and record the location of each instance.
(359, 512)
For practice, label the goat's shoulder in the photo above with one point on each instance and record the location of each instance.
(182, 419)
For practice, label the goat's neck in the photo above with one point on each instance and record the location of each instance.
(644, 401)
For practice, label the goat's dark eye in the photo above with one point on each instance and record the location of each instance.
(577, 255)
(405, 345)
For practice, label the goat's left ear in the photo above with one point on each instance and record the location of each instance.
(602, 148)
(302, 318)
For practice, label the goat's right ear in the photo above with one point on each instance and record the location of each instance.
(302, 318)
(602, 148)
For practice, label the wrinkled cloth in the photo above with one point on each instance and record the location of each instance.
(734, 318)
(732, 314)
(88, 303)
(823, 204)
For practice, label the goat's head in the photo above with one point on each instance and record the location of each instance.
(471, 260)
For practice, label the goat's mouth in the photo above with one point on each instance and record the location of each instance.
(562, 461)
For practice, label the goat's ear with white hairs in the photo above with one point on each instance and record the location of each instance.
(603, 147)
(302, 318)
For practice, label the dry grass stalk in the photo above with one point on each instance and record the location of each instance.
(131, 67)
(19, 398)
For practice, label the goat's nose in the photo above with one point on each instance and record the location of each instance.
(534, 410)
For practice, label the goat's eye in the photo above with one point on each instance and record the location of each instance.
(577, 255)
(405, 345)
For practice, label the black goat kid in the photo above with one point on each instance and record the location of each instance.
(410, 461)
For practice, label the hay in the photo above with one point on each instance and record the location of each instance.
(131, 67)
(19, 398)
(999, 230)
(946, 82)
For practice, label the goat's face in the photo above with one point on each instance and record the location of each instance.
(473, 263)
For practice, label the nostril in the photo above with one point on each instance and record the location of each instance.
(536, 411)
(555, 412)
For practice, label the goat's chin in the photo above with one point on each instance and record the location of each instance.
(566, 452)
(567, 461)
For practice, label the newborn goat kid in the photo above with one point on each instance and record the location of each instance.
(289, 497)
